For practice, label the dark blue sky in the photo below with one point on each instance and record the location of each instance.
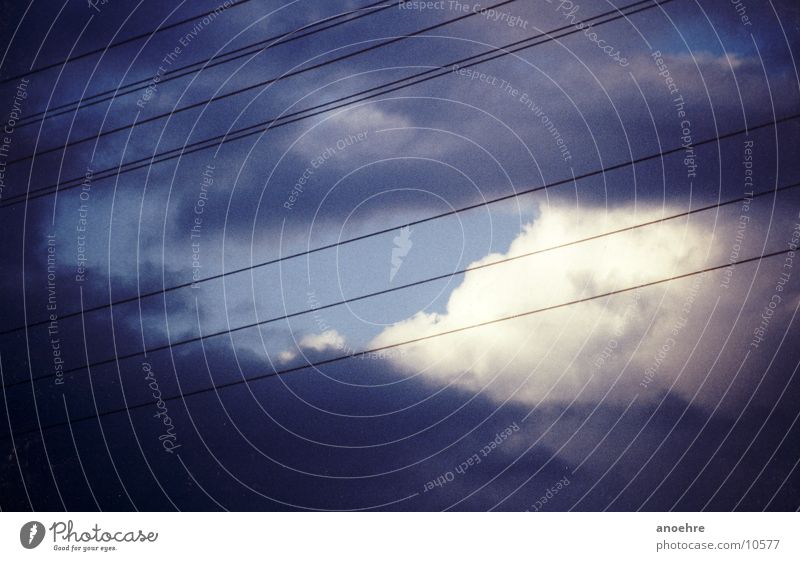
(693, 405)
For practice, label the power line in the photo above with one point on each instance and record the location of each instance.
(271, 123)
(218, 9)
(326, 107)
(403, 286)
(340, 243)
(452, 212)
(257, 85)
(217, 387)
(205, 64)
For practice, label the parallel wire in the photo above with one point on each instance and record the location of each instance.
(257, 85)
(217, 387)
(402, 286)
(216, 60)
(484, 203)
(138, 37)
(319, 109)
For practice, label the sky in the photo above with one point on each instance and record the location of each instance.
(455, 293)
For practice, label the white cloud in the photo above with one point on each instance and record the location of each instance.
(553, 355)
(287, 356)
(330, 339)
(317, 342)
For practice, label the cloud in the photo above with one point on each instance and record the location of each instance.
(347, 128)
(316, 342)
(330, 339)
(633, 343)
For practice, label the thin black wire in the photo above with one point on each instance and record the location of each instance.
(216, 60)
(267, 125)
(122, 42)
(368, 235)
(401, 287)
(217, 387)
(257, 85)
